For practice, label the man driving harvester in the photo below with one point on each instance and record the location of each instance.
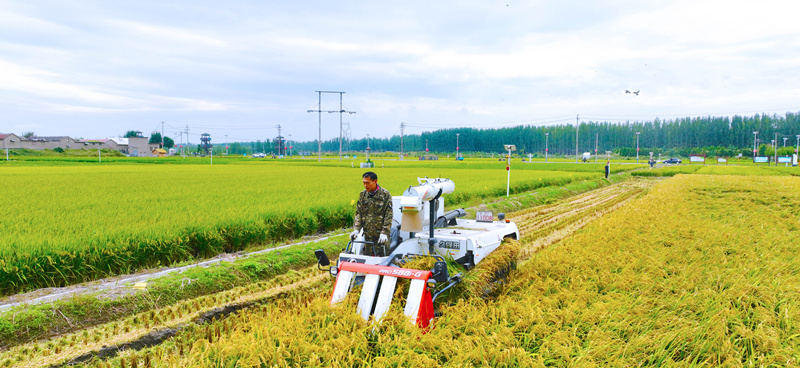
(373, 215)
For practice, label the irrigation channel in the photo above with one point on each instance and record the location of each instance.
(539, 227)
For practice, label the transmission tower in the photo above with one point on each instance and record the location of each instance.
(346, 134)
(340, 111)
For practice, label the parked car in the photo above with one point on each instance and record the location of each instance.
(671, 161)
(259, 155)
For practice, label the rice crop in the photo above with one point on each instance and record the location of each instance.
(668, 170)
(701, 271)
(77, 223)
(746, 170)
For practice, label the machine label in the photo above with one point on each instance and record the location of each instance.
(401, 272)
(450, 244)
(484, 216)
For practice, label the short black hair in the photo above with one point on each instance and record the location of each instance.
(371, 175)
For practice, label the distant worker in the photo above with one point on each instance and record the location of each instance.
(651, 162)
(373, 215)
(608, 168)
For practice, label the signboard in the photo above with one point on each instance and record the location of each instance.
(761, 159)
(784, 160)
(484, 216)
(722, 159)
(697, 159)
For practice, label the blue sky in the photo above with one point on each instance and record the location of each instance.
(238, 69)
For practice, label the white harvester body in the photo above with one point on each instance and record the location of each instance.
(467, 242)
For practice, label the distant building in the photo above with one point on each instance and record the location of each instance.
(34, 142)
(11, 140)
(133, 146)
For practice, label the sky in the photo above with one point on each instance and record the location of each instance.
(239, 69)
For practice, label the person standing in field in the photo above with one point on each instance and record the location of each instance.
(373, 215)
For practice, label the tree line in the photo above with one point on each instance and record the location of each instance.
(721, 135)
(711, 135)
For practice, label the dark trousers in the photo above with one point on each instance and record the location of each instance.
(374, 249)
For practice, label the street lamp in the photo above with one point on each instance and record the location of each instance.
(637, 147)
(775, 148)
(755, 150)
(784, 141)
(457, 134)
(797, 148)
(509, 147)
(546, 136)
(12, 141)
(290, 145)
(367, 147)
(426, 146)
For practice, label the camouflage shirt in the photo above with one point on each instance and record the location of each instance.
(374, 213)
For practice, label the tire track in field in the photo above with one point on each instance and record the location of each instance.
(547, 224)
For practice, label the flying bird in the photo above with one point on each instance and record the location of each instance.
(626, 91)
(636, 93)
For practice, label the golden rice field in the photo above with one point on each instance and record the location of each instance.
(73, 223)
(702, 271)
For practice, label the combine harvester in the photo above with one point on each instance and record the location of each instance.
(420, 228)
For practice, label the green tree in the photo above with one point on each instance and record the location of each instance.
(131, 133)
(168, 143)
(155, 137)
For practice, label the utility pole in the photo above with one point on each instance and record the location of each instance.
(755, 141)
(596, 138)
(402, 127)
(577, 126)
(637, 147)
(162, 134)
(320, 111)
(457, 134)
(776, 149)
(340, 125)
(546, 137)
(797, 148)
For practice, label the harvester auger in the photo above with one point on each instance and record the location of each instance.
(420, 228)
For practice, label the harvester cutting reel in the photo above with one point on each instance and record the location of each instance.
(378, 283)
(421, 228)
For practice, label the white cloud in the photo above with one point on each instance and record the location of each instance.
(471, 62)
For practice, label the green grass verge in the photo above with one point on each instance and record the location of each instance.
(23, 324)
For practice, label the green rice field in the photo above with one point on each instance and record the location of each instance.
(78, 221)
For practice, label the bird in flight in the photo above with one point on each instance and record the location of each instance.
(636, 93)
(629, 92)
